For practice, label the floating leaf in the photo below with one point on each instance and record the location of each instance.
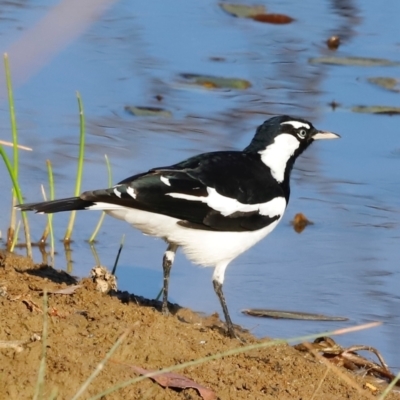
(384, 110)
(300, 222)
(148, 111)
(170, 379)
(242, 11)
(353, 61)
(386, 83)
(273, 18)
(215, 82)
(333, 42)
(258, 312)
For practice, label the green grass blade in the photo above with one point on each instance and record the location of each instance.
(19, 198)
(14, 175)
(11, 231)
(15, 239)
(12, 114)
(103, 214)
(50, 216)
(68, 233)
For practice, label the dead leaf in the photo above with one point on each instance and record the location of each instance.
(391, 84)
(216, 82)
(273, 18)
(300, 222)
(148, 111)
(353, 61)
(281, 314)
(242, 10)
(383, 110)
(170, 379)
(333, 42)
(68, 290)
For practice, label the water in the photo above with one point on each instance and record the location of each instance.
(345, 264)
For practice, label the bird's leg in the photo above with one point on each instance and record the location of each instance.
(168, 260)
(218, 279)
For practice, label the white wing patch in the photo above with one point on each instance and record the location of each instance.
(165, 180)
(131, 191)
(277, 154)
(117, 192)
(227, 206)
(297, 124)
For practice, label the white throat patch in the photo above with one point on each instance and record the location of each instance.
(277, 154)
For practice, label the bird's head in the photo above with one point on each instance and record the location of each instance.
(279, 141)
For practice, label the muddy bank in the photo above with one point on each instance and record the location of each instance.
(83, 326)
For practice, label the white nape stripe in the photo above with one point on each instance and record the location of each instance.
(131, 191)
(117, 192)
(277, 154)
(297, 124)
(227, 205)
(165, 180)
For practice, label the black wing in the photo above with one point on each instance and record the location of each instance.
(181, 191)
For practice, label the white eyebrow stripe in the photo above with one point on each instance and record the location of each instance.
(297, 124)
(165, 180)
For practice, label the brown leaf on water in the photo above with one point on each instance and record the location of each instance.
(242, 10)
(139, 111)
(278, 19)
(382, 110)
(170, 379)
(333, 42)
(391, 84)
(216, 82)
(300, 222)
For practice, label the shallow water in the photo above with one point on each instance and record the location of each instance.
(345, 264)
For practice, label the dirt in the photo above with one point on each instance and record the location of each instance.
(84, 325)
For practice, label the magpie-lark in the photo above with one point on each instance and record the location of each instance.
(214, 206)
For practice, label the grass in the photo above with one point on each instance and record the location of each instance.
(68, 233)
(13, 168)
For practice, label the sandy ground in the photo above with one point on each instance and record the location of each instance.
(83, 326)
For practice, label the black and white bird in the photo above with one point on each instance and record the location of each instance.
(215, 206)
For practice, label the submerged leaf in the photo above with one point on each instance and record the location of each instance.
(273, 18)
(216, 82)
(148, 111)
(391, 84)
(242, 10)
(384, 110)
(353, 61)
(170, 379)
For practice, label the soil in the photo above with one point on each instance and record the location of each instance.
(84, 325)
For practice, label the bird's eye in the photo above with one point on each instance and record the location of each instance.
(302, 133)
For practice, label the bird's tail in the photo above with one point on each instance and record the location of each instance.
(54, 206)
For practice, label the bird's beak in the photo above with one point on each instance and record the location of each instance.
(325, 135)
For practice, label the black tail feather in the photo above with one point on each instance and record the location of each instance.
(54, 206)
